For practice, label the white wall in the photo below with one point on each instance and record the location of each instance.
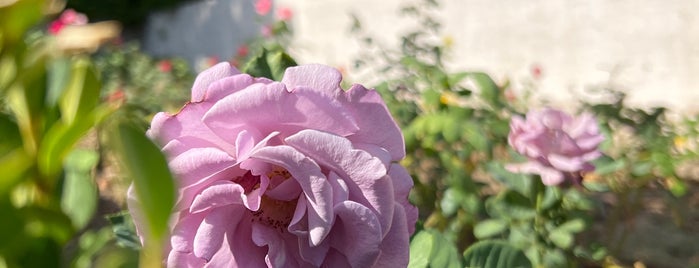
(649, 48)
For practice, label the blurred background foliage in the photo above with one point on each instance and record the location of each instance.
(68, 116)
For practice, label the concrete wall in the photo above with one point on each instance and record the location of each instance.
(648, 48)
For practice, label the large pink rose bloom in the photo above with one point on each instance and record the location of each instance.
(297, 173)
(557, 145)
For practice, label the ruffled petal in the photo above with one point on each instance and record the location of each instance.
(353, 218)
(321, 78)
(316, 188)
(366, 175)
(270, 108)
(376, 126)
(402, 183)
(209, 76)
(395, 247)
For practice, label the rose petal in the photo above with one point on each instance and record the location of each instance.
(352, 219)
(321, 78)
(198, 163)
(221, 193)
(209, 76)
(402, 183)
(395, 247)
(376, 126)
(177, 259)
(270, 108)
(365, 174)
(210, 234)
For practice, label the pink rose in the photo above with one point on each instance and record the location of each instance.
(557, 145)
(68, 17)
(297, 173)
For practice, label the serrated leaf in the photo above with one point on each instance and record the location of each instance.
(495, 254)
(488, 228)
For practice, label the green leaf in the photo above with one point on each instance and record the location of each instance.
(13, 166)
(429, 248)
(58, 78)
(269, 64)
(561, 238)
(124, 230)
(82, 92)
(495, 254)
(61, 137)
(573, 226)
(489, 91)
(475, 135)
(606, 165)
(79, 198)
(451, 201)
(488, 228)
(511, 205)
(521, 183)
(152, 180)
(278, 63)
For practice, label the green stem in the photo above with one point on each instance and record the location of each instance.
(539, 220)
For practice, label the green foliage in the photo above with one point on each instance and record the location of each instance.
(147, 85)
(495, 254)
(269, 64)
(430, 248)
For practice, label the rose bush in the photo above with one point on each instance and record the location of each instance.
(297, 173)
(557, 145)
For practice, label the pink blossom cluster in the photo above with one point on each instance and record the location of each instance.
(68, 17)
(558, 146)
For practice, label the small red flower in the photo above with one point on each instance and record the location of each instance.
(165, 66)
(242, 51)
(536, 71)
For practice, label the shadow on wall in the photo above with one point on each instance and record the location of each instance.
(202, 29)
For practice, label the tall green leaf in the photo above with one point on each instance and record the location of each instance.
(153, 182)
(82, 92)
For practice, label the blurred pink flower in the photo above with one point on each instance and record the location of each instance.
(165, 66)
(557, 145)
(266, 31)
(297, 173)
(285, 14)
(536, 71)
(242, 51)
(262, 7)
(72, 17)
(68, 17)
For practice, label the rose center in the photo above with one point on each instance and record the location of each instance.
(248, 181)
(275, 213)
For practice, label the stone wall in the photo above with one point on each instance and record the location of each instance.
(650, 48)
